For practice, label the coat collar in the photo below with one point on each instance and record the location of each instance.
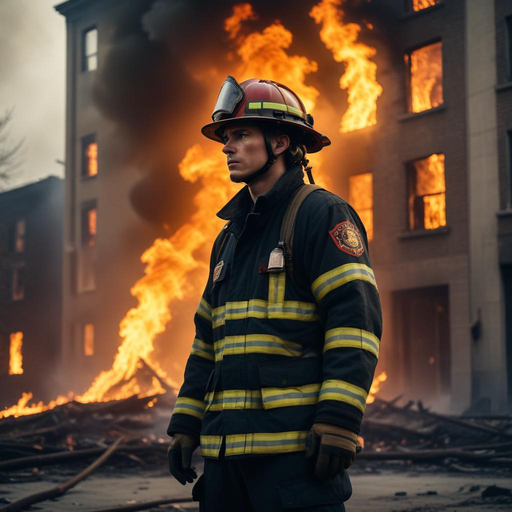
(241, 204)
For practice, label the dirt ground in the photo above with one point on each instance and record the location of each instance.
(375, 489)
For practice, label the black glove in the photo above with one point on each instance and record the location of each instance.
(179, 455)
(334, 448)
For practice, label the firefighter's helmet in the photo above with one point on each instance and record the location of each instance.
(265, 101)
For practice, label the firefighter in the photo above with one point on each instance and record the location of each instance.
(287, 329)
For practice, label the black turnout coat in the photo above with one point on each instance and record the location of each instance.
(272, 356)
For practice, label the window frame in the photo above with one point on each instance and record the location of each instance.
(411, 179)
(86, 141)
(85, 56)
(407, 65)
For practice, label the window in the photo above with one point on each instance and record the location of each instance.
(89, 156)
(90, 49)
(18, 281)
(425, 77)
(87, 254)
(508, 22)
(360, 196)
(15, 354)
(89, 339)
(427, 200)
(17, 236)
(419, 5)
(89, 225)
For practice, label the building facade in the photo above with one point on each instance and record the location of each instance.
(431, 180)
(31, 222)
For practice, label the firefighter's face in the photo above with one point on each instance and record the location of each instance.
(244, 146)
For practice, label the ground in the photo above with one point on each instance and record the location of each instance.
(379, 488)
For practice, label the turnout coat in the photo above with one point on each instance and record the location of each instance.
(272, 355)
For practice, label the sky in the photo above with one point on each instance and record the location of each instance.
(32, 81)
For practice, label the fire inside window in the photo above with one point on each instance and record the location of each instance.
(15, 354)
(419, 5)
(425, 77)
(89, 226)
(89, 339)
(360, 196)
(90, 49)
(89, 156)
(17, 283)
(20, 236)
(427, 198)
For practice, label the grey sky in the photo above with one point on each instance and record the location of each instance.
(32, 79)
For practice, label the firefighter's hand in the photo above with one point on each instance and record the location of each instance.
(179, 455)
(334, 448)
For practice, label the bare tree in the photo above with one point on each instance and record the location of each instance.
(9, 152)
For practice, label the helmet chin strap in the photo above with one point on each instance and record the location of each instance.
(270, 162)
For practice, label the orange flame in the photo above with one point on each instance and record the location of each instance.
(241, 12)
(360, 73)
(426, 77)
(375, 387)
(92, 159)
(430, 185)
(419, 5)
(15, 354)
(360, 196)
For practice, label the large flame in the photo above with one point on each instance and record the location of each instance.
(360, 72)
(15, 354)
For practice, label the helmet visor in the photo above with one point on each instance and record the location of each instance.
(230, 96)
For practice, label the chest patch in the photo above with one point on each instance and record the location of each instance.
(347, 238)
(217, 270)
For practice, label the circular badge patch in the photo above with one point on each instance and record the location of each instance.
(347, 238)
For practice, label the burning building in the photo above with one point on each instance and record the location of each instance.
(30, 313)
(409, 93)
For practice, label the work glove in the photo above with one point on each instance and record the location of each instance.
(333, 447)
(179, 455)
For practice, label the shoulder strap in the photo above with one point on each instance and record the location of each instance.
(288, 225)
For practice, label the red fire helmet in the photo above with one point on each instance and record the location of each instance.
(267, 101)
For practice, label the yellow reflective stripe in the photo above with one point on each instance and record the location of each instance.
(189, 406)
(276, 287)
(343, 392)
(278, 442)
(205, 310)
(275, 106)
(257, 308)
(254, 105)
(202, 349)
(341, 275)
(233, 399)
(295, 111)
(210, 445)
(286, 397)
(351, 337)
(256, 344)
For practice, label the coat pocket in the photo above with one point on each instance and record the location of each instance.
(290, 383)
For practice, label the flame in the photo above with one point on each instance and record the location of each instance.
(15, 354)
(419, 5)
(241, 12)
(426, 77)
(359, 77)
(360, 196)
(92, 159)
(91, 226)
(375, 387)
(430, 185)
(22, 408)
